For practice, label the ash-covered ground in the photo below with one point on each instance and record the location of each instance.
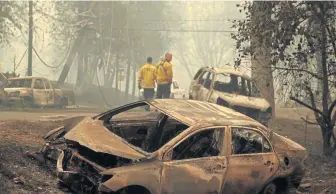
(20, 174)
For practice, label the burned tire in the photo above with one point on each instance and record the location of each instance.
(270, 188)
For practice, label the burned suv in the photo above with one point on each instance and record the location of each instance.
(233, 89)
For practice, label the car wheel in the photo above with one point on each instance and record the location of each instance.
(270, 188)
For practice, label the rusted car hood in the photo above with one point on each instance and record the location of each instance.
(93, 135)
(239, 100)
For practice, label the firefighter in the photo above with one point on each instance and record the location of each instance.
(147, 78)
(164, 77)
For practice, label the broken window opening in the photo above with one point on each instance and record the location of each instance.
(208, 80)
(38, 84)
(206, 143)
(203, 77)
(230, 83)
(19, 83)
(246, 141)
(224, 83)
(148, 130)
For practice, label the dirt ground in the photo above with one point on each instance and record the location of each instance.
(19, 174)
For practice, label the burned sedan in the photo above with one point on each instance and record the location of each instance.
(182, 146)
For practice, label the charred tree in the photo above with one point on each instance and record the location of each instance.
(128, 76)
(80, 70)
(75, 47)
(116, 83)
(134, 80)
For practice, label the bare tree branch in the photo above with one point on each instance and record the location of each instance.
(309, 122)
(306, 105)
(299, 70)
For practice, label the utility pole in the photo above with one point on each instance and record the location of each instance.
(30, 40)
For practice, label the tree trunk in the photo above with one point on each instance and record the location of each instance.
(78, 42)
(134, 80)
(128, 77)
(116, 75)
(327, 150)
(111, 81)
(261, 69)
(80, 70)
(326, 135)
(82, 6)
(108, 75)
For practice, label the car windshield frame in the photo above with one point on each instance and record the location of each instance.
(109, 115)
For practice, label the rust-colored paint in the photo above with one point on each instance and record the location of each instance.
(45, 96)
(94, 135)
(159, 173)
(199, 175)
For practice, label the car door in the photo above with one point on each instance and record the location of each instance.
(198, 88)
(196, 164)
(195, 80)
(251, 163)
(40, 93)
(197, 84)
(50, 92)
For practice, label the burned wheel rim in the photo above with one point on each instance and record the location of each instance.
(270, 189)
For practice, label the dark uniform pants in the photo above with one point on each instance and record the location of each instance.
(148, 94)
(163, 91)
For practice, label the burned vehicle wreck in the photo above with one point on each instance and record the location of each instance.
(230, 88)
(168, 150)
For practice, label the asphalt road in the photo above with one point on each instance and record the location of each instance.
(45, 114)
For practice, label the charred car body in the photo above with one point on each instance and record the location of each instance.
(169, 150)
(34, 91)
(230, 88)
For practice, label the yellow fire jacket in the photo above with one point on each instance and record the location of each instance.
(147, 76)
(164, 72)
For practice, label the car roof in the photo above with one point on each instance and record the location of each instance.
(192, 112)
(27, 77)
(230, 71)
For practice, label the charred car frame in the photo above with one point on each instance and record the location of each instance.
(185, 146)
(230, 88)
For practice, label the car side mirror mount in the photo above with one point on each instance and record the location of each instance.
(168, 156)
